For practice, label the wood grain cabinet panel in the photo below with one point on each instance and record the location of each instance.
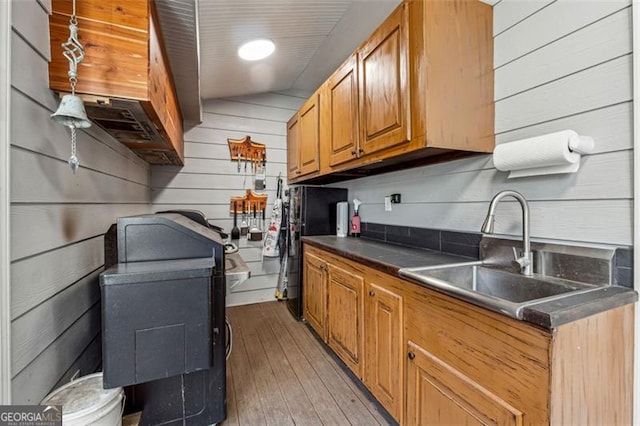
(342, 109)
(345, 315)
(438, 394)
(383, 347)
(309, 136)
(456, 74)
(499, 353)
(592, 370)
(293, 146)
(383, 87)
(315, 293)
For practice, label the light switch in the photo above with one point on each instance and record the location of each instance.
(387, 204)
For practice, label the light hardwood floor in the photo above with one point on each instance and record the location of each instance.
(280, 374)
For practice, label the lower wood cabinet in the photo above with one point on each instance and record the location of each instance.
(315, 293)
(431, 359)
(487, 366)
(344, 316)
(362, 321)
(383, 347)
(438, 394)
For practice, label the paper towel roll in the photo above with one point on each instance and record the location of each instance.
(557, 152)
(541, 151)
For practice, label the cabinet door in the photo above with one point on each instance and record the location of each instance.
(383, 76)
(310, 135)
(315, 293)
(342, 90)
(384, 347)
(293, 146)
(345, 310)
(438, 394)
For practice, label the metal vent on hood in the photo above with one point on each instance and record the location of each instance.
(126, 121)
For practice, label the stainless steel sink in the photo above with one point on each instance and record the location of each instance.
(495, 288)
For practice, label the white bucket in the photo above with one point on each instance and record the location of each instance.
(85, 402)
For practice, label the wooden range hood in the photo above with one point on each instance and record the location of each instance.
(124, 78)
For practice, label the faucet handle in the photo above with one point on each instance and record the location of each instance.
(516, 255)
(521, 259)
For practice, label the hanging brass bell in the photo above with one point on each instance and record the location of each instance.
(71, 113)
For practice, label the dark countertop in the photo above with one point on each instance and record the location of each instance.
(390, 258)
(383, 256)
(557, 312)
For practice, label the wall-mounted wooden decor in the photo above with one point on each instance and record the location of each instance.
(251, 202)
(248, 151)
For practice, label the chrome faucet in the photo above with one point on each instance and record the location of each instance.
(525, 259)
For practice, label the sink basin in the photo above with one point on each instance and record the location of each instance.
(501, 284)
(494, 288)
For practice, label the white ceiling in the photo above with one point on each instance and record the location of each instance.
(312, 37)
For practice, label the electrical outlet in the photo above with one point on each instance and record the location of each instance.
(387, 204)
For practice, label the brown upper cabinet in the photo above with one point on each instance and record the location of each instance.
(340, 127)
(293, 145)
(303, 140)
(419, 90)
(309, 136)
(124, 78)
(384, 98)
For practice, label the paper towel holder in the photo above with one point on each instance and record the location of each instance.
(581, 144)
(553, 153)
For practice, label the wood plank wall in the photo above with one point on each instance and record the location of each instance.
(209, 178)
(58, 220)
(560, 64)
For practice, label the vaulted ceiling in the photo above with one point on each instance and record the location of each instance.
(312, 37)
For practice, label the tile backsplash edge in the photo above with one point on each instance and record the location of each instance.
(459, 243)
(623, 267)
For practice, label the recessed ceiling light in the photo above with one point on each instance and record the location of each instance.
(256, 49)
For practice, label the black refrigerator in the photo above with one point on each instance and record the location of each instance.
(312, 211)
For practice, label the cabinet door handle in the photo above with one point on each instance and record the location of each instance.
(372, 293)
(353, 152)
(360, 150)
(411, 355)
